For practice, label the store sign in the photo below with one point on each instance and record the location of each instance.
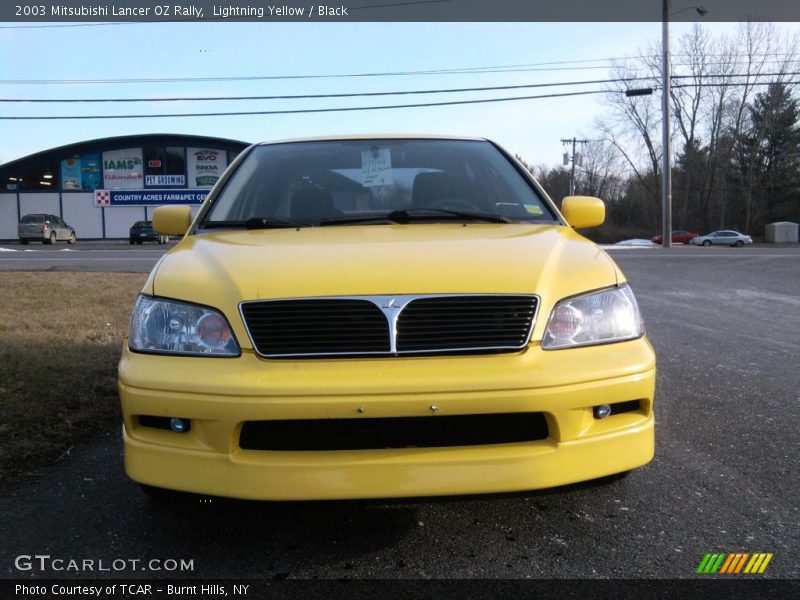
(164, 179)
(123, 169)
(148, 197)
(205, 166)
(90, 172)
(80, 173)
(71, 173)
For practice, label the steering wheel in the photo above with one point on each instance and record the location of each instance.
(454, 204)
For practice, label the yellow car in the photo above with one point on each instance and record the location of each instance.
(383, 316)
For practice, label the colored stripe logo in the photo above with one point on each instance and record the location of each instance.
(734, 563)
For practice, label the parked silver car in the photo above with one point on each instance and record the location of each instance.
(726, 237)
(47, 229)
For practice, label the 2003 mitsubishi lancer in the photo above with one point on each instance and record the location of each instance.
(383, 316)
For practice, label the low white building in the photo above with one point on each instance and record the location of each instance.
(781, 233)
(102, 187)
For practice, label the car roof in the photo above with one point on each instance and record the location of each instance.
(373, 136)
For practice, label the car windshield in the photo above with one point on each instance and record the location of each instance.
(143, 224)
(375, 181)
(33, 219)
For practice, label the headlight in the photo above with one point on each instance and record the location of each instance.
(610, 315)
(171, 327)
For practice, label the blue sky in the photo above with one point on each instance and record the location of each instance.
(530, 128)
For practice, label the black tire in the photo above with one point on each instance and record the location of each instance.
(140, 242)
(72, 238)
(739, 243)
(52, 239)
(24, 242)
(706, 242)
(130, 241)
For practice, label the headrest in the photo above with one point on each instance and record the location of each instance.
(312, 205)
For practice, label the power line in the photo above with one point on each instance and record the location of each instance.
(303, 110)
(334, 95)
(347, 108)
(378, 94)
(508, 68)
(464, 71)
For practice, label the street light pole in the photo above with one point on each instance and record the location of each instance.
(666, 167)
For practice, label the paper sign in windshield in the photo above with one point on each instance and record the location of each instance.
(376, 167)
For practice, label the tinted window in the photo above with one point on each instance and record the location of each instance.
(309, 181)
(176, 160)
(33, 219)
(153, 161)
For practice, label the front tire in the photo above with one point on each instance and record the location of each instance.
(739, 243)
(72, 238)
(24, 242)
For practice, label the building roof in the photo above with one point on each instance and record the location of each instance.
(125, 140)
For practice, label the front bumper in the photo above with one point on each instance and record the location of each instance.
(220, 394)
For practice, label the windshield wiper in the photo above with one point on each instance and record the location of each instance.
(407, 215)
(377, 219)
(252, 223)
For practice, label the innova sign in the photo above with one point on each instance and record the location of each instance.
(204, 166)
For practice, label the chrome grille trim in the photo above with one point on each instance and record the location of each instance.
(392, 305)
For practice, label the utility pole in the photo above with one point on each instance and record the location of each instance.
(568, 159)
(666, 153)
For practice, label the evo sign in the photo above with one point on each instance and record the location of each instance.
(148, 197)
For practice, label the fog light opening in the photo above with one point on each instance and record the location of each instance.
(179, 425)
(602, 411)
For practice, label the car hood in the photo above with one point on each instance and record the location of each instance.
(224, 268)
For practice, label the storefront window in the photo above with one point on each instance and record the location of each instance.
(176, 160)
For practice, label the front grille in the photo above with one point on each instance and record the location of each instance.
(318, 326)
(390, 325)
(458, 323)
(401, 432)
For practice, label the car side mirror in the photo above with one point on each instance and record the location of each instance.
(172, 220)
(582, 212)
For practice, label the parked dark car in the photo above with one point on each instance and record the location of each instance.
(678, 237)
(142, 231)
(44, 228)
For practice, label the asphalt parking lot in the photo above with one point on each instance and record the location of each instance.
(726, 326)
(83, 256)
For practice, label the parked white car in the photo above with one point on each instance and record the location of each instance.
(726, 237)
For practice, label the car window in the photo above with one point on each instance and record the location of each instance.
(307, 182)
(32, 219)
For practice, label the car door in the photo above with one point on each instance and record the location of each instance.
(58, 227)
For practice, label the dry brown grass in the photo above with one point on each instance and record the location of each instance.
(60, 336)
